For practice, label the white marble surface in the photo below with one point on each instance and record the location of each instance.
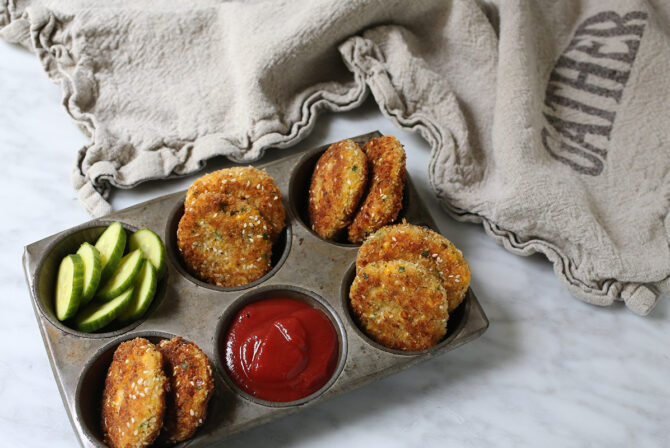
(550, 371)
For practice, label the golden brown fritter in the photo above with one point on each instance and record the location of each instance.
(249, 184)
(133, 401)
(424, 247)
(224, 243)
(191, 387)
(338, 184)
(383, 200)
(400, 304)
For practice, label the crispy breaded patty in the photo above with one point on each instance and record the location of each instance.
(383, 200)
(247, 183)
(338, 184)
(224, 243)
(191, 387)
(400, 304)
(133, 401)
(424, 247)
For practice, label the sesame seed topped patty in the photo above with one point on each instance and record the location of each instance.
(248, 184)
(400, 304)
(337, 186)
(133, 400)
(422, 246)
(224, 242)
(191, 387)
(383, 200)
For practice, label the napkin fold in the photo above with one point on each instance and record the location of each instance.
(546, 119)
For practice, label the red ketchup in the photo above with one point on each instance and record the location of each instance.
(281, 349)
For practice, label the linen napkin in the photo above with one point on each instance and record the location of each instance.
(545, 119)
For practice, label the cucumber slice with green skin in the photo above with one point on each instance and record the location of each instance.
(92, 271)
(69, 285)
(122, 278)
(145, 290)
(97, 315)
(111, 245)
(152, 248)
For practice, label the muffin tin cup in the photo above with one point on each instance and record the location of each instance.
(68, 242)
(304, 266)
(92, 381)
(280, 250)
(290, 292)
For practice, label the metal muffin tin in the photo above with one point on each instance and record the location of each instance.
(305, 267)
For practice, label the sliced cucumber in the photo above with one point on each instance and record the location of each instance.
(97, 315)
(145, 290)
(111, 245)
(69, 285)
(122, 278)
(152, 248)
(92, 271)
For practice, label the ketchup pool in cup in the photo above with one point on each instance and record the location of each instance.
(280, 349)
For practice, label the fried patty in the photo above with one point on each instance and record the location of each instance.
(133, 401)
(249, 184)
(224, 243)
(383, 200)
(338, 184)
(400, 304)
(424, 247)
(191, 387)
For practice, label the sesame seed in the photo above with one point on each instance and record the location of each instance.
(191, 412)
(434, 255)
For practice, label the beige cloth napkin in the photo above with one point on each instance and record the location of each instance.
(546, 119)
